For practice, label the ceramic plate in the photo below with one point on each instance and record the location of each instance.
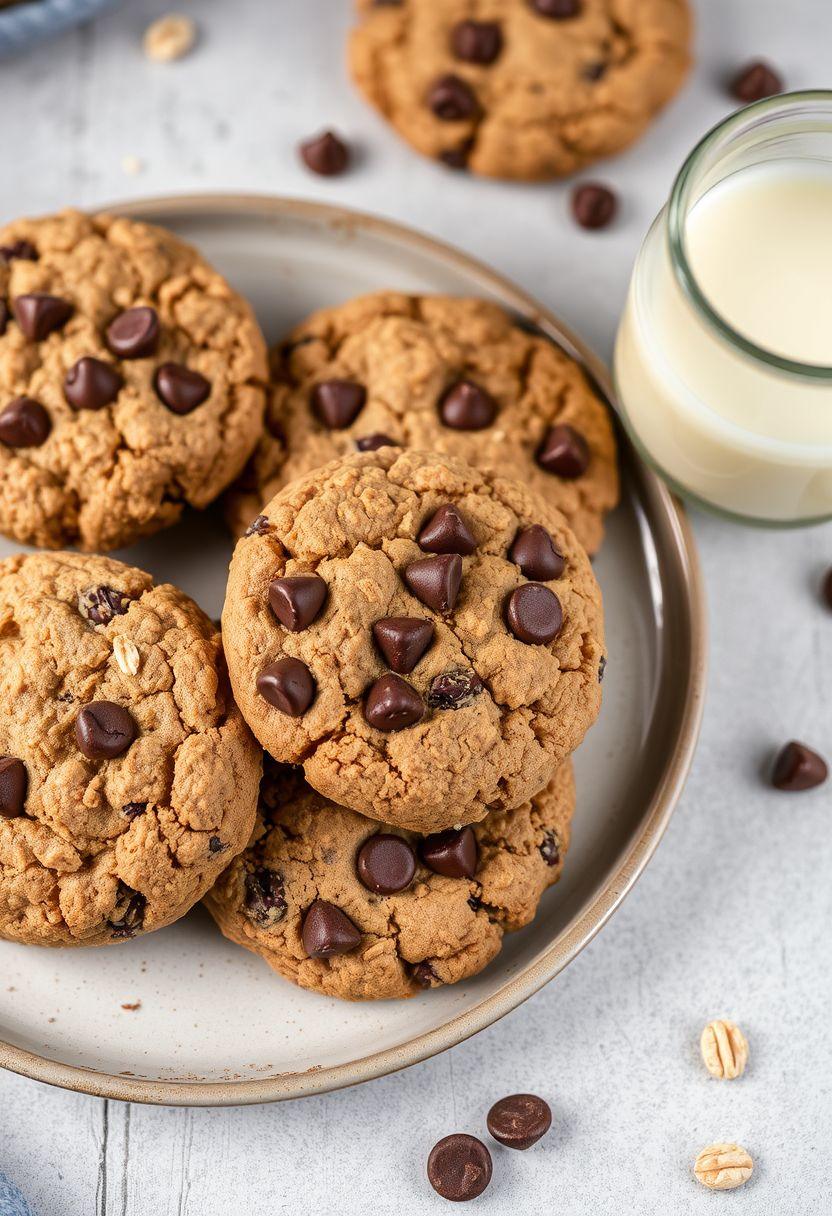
(215, 1025)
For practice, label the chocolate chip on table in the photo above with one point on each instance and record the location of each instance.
(393, 704)
(447, 532)
(14, 781)
(104, 730)
(385, 863)
(90, 384)
(326, 154)
(477, 41)
(452, 100)
(458, 157)
(534, 614)
(22, 249)
(402, 640)
(132, 810)
(134, 333)
(564, 452)
(264, 901)
(550, 849)
(40, 314)
(467, 407)
(24, 423)
(558, 10)
(797, 767)
(755, 81)
(459, 1167)
(297, 599)
(338, 402)
(453, 853)
(594, 205)
(454, 689)
(534, 551)
(327, 931)
(435, 580)
(180, 388)
(101, 604)
(519, 1120)
(371, 443)
(424, 975)
(128, 915)
(288, 685)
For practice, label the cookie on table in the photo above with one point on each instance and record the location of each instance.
(128, 779)
(526, 89)
(441, 374)
(424, 639)
(343, 905)
(131, 381)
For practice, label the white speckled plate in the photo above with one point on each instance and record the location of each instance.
(214, 1024)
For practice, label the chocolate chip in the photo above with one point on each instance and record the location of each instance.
(259, 526)
(467, 407)
(104, 730)
(756, 81)
(297, 599)
(101, 604)
(550, 849)
(128, 914)
(594, 71)
(402, 640)
(132, 810)
(826, 588)
(134, 333)
(435, 580)
(535, 553)
(215, 845)
(453, 853)
(371, 443)
(326, 154)
(593, 205)
(424, 975)
(4, 317)
(14, 781)
(90, 384)
(558, 10)
(264, 901)
(180, 388)
(24, 423)
(452, 100)
(447, 532)
(393, 704)
(338, 402)
(22, 249)
(327, 931)
(288, 685)
(459, 1167)
(477, 41)
(40, 315)
(519, 1121)
(534, 614)
(454, 689)
(602, 667)
(564, 452)
(797, 767)
(385, 864)
(458, 157)
(473, 903)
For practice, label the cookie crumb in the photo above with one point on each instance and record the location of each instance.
(170, 37)
(132, 1006)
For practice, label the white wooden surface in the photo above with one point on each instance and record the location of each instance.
(733, 916)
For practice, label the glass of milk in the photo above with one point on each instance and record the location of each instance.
(723, 361)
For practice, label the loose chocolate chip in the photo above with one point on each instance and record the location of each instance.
(827, 588)
(104, 730)
(128, 914)
(458, 157)
(558, 10)
(520, 1120)
(564, 452)
(264, 902)
(180, 388)
(385, 864)
(435, 580)
(402, 640)
(424, 975)
(447, 532)
(467, 407)
(602, 667)
(797, 767)
(14, 781)
(297, 600)
(288, 685)
(134, 333)
(594, 205)
(326, 154)
(535, 553)
(534, 614)
(215, 845)
(90, 384)
(393, 704)
(454, 689)
(4, 317)
(452, 100)
(756, 81)
(550, 849)
(327, 931)
(338, 402)
(24, 423)
(39, 314)
(259, 526)
(101, 604)
(459, 1167)
(371, 443)
(132, 810)
(453, 853)
(477, 41)
(22, 249)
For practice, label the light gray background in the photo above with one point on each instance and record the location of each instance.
(733, 915)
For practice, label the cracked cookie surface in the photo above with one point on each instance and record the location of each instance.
(438, 928)
(380, 632)
(128, 778)
(407, 353)
(132, 381)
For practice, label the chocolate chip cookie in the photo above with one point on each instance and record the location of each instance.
(425, 639)
(526, 89)
(440, 374)
(128, 779)
(131, 381)
(345, 906)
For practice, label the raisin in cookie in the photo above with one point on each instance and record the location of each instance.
(131, 381)
(440, 374)
(345, 906)
(128, 778)
(426, 640)
(526, 89)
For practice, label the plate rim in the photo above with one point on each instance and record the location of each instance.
(679, 546)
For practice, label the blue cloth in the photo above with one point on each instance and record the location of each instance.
(12, 1202)
(24, 24)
